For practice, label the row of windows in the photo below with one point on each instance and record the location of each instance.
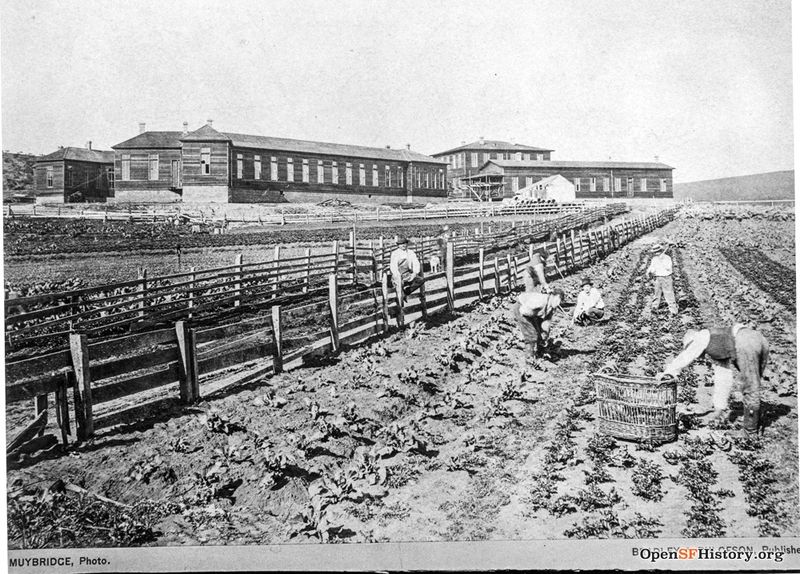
(516, 182)
(329, 172)
(72, 177)
(460, 159)
(325, 172)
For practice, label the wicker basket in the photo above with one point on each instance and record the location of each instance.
(636, 408)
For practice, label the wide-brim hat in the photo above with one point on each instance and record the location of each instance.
(656, 247)
(402, 240)
(585, 281)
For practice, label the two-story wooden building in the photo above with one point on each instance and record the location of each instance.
(592, 179)
(206, 165)
(467, 159)
(74, 174)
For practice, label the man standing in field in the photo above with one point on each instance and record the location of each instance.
(533, 313)
(533, 275)
(661, 268)
(590, 307)
(405, 267)
(733, 351)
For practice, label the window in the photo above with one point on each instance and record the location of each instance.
(273, 168)
(49, 176)
(452, 161)
(320, 171)
(617, 184)
(441, 179)
(126, 167)
(70, 177)
(592, 184)
(419, 177)
(643, 184)
(485, 157)
(388, 176)
(518, 156)
(374, 175)
(427, 179)
(239, 166)
(362, 174)
(256, 167)
(334, 172)
(606, 184)
(152, 166)
(110, 177)
(289, 169)
(474, 159)
(515, 184)
(400, 177)
(577, 182)
(205, 161)
(663, 185)
(348, 173)
(539, 157)
(305, 171)
(528, 181)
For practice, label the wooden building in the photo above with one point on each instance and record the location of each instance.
(206, 165)
(467, 159)
(592, 179)
(74, 174)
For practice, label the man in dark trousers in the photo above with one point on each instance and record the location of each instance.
(533, 313)
(733, 351)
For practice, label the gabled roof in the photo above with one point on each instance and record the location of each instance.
(492, 145)
(579, 164)
(207, 133)
(79, 154)
(323, 148)
(152, 140)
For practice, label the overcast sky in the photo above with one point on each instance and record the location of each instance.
(706, 86)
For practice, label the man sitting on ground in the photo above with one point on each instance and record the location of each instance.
(590, 307)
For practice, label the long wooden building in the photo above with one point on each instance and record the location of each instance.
(206, 165)
(592, 179)
(74, 174)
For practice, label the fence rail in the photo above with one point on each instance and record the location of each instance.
(102, 371)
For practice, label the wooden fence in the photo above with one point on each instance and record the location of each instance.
(210, 295)
(181, 355)
(118, 212)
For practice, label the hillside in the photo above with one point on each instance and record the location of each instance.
(772, 185)
(17, 171)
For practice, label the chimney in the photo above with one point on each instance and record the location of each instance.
(210, 123)
(388, 147)
(61, 147)
(408, 146)
(142, 127)
(656, 158)
(185, 128)
(482, 142)
(89, 146)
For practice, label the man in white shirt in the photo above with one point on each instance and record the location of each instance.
(732, 350)
(533, 275)
(590, 307)
(533, 313)
(405, 267)
(661, 268)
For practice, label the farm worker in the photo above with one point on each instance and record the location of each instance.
(533, 275)
(405, 267)
(661, 268)
(732, 350)
(533, 313)
(441, 243)
(590, 307)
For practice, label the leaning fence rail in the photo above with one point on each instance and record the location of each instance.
(183, 355)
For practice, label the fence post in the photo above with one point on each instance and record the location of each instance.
(450, 274)
(378, 213)
(510, 278)
(516, 271)
(481, 265)
(187, 366)
(192, 279)
(276, 265)
(142, 272)
(308, 270)
(353, 249)
(373, 266)
(277, 341)
(385, 300)
(335, 251)
(39, 407)
(333, 306)
(237, 287)
(497, 284)
(62, 409)
(79, 350)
